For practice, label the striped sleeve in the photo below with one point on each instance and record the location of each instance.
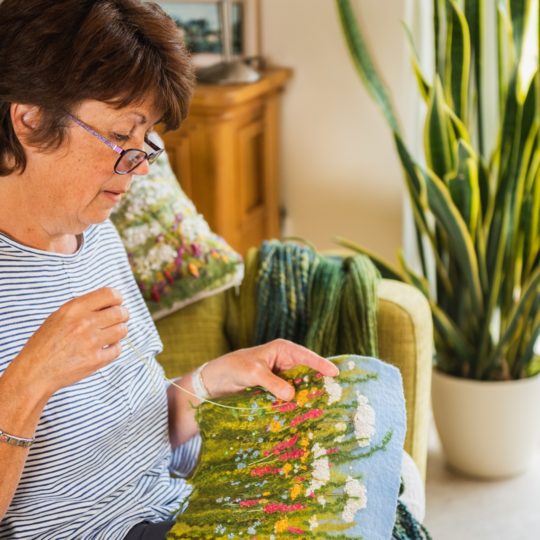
(102, 458)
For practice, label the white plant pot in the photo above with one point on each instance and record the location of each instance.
(487, 429)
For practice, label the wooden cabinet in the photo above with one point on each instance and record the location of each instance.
(225, 155)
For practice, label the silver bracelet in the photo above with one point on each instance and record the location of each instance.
(16, 441)
(198, 384)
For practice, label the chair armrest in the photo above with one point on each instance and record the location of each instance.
(405, 335)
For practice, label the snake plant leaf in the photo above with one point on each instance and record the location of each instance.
(484, 187)
(530, 156)
(439, 137)
(423, 86)
(475, 15)
(518, 9)
(411, 277)
(506, 55)
(439, 16)
(510, 143)
(363, 62)
(419, 204)
(451, 333)
(458, 60)
(464, 186)
(460, 129)
(386, 269)
(461, 244)
(520, 312)
(532, 239)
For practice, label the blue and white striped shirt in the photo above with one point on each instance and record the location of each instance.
(102, 458)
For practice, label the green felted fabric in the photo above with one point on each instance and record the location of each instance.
(325, 465)
(175, 257)
(193, 335)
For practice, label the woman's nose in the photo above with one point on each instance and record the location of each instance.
(142, 169)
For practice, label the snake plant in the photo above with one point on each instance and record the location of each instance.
(476, 211)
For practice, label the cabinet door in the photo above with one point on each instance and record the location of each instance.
(252, 184)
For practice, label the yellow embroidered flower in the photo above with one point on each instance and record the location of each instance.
(266, 493)
(275, 426)
(302, 397)
(304, 441)
(295, 491)
(287, 468)
(281, 525)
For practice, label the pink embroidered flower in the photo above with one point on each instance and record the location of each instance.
(316, 393)
(249, 502)
(267, 469)
(332, 450)
(294, 530)
(282, 446)
(272, 508)
(294, 454)
(313, 413)
(284, 407)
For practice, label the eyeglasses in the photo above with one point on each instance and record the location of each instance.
(129, 159)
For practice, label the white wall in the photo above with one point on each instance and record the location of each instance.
(340, 172)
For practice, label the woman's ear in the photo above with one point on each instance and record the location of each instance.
(25, 120)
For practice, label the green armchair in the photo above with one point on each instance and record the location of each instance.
(224, 322)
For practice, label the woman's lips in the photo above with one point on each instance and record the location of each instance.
(113, 196)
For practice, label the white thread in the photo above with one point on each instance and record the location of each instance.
(249, 410)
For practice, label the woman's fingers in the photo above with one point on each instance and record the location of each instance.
(113, 334)
(289, 354)
(276, 385)
(111, 316)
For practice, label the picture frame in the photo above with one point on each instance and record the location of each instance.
(200, 22)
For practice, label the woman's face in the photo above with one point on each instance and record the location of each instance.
(76, 186)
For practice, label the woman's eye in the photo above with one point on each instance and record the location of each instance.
(120, 138)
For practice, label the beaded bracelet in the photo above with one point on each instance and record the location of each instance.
(16, 441)
(198, 384)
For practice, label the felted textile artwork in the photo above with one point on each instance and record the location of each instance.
(175, 257)
(324, 465)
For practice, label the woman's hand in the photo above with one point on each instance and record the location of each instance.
(257, 366)
(79, 338)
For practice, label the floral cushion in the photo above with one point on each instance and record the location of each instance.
(175, 257)
(324, 465)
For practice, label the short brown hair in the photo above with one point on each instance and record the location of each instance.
(56, 54)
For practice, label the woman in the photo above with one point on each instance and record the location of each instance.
(86, 434)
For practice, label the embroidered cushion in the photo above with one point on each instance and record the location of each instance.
(175, 257)
(325, 465)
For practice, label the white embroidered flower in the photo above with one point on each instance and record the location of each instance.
(351, 365)
(160, 255)
(194, 227)
(318, 451)
(339, 439)
(351, 507)
(341, 426)
(310, 435)
(333, 389)
(320, 475)
(364, 421)
(313, 523)
(139, 234)
(353, 488)
(321, 500)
